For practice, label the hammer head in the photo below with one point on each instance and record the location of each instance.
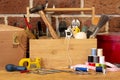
(37, 8)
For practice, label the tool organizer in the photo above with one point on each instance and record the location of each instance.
(47, 19)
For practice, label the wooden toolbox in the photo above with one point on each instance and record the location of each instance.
(60, 53)
(13, 44)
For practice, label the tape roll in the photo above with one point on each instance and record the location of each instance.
(94, 52)
(102, 59)
(91, 64)
(99, 69)
(99, 52)
(96, 59)
(81, 69)
(80, 35)
(97, 64)
(90, 58)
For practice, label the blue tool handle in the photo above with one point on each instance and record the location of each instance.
(11, 67)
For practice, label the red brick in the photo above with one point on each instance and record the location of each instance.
(2, 20)
(68, 20)
(13, 6)
(19, 22)
(34, 21)
(60, 4)
(104, 6)
(16, 21)
(38, 2)
(114, 24)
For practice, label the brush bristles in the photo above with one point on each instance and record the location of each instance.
(102, 21)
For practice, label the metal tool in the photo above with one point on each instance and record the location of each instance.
(52, 71)
(68, 33)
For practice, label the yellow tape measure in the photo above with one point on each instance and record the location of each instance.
(30, 64)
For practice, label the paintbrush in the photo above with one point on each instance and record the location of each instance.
(102, 21)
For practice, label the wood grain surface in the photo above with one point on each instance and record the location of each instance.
(59, 53)
(58, 76)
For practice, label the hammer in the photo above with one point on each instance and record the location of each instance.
(40, 9)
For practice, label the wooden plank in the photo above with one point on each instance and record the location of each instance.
(59, 53)
(67, 9)
(92, 9)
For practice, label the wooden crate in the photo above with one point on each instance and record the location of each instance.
(60, 53)
(10, 51)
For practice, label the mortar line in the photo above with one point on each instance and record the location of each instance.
(5, 20)
(62, 15)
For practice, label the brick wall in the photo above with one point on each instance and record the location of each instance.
(12, 11)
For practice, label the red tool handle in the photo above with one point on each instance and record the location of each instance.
(27, 23)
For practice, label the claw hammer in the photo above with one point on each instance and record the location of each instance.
(40, 9)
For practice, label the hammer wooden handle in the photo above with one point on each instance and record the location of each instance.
(47, 23)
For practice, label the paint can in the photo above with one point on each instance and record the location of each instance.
(110, 43)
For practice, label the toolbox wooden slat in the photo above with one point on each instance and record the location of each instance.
(54, 52)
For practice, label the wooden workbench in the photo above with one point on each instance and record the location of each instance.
(4, 75)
